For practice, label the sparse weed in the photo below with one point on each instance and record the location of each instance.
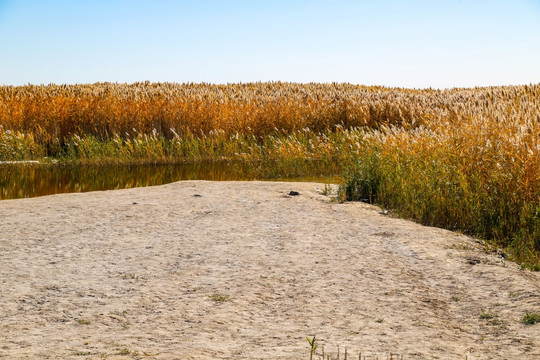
(313, 346)
(130, 276)
(328, 191)
(217, 297)
(486, 315)
(530, 318)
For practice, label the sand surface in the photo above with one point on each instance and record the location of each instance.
(245, 271)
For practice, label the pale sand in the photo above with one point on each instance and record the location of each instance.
(91, 275)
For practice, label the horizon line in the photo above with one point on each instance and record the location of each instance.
(269, 82)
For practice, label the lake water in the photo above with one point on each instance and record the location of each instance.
(29, 180)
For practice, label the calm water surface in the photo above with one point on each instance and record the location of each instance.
(29, 180)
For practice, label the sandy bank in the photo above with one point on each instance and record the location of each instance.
(245, 271)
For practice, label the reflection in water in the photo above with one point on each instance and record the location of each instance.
(20, 181)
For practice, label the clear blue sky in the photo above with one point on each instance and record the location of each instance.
(437, 43)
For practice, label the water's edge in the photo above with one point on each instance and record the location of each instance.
(31, 180)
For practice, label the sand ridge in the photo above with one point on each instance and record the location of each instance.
(245, 271)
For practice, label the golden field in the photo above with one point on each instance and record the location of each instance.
(464, 159)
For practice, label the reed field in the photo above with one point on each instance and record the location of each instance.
(462, 159)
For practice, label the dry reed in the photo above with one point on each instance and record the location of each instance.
(464, 159)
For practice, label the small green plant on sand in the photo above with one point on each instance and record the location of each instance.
(130, 276)
(530, 318)
(219, 297)
(313, 345)
(486, 315)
